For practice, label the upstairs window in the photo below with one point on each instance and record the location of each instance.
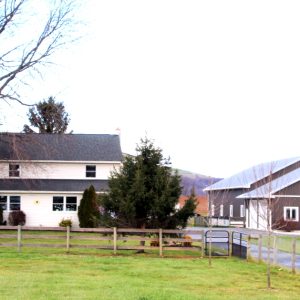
(14, 170)
(15, 203)
(3, 202)
(90, 171)
(291, 213)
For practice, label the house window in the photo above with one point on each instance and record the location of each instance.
(242, 211)
(61, 203)
(230, 210)
(14, 170)
(3, 202)
(71, 203)
(221, 210)
(90, 171)
(291, 213)
(14, 203)
(58, 203)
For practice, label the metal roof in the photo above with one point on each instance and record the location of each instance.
(51, 185)
(247, 177)
(60, 147)
(269, 189)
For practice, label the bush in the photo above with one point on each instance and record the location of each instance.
(65, 223)
(16, 217)
(286, 225)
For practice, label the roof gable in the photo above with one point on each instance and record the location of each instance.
(60, 147)
(249, 176)
(269, 189)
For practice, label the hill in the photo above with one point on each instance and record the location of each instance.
(198, 181)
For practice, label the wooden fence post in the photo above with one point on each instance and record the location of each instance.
(115, 240)
(274, 250)
(248, 247)
(259, 247)
(230, 242)
(160, 243)
(203, 244)
(294, 255)
(19, 238)
(68, 239)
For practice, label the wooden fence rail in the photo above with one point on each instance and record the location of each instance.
(149, 239)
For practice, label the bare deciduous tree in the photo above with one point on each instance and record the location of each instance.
(24, 50)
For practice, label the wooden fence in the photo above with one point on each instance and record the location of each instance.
(148, 239)
(260, 241)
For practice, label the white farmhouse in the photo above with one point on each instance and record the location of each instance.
(44, 175)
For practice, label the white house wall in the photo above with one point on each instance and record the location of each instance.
(49, 170)
(39, 212)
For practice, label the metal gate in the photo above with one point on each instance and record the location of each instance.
(218, 240)
(239, 244)
(224, 243)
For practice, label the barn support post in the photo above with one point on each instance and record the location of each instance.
(19, 237)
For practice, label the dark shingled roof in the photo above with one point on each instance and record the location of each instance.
(61, 147)
(51, 185)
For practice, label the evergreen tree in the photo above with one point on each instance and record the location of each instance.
(144, 192)
(88, 210)
(48, 116)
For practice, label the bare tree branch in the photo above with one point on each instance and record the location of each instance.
(20, 59)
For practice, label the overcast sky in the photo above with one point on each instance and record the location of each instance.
(214, 83)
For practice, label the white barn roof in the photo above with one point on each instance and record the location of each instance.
(269, 189)
(247, 177)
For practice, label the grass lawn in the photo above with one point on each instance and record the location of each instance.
(51, 274)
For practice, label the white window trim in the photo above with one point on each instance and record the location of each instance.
(221, 210)
(286, 208)
(242, 210)
(230, 210)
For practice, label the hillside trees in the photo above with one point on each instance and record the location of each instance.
(144, 192)
(47, 116)
(30, 33)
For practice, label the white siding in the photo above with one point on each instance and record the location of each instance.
(62, 170)
(38, 210)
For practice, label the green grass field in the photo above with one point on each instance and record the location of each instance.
(51, 274)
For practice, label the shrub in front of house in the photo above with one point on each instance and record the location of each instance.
(16, 217)
(65, 223)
